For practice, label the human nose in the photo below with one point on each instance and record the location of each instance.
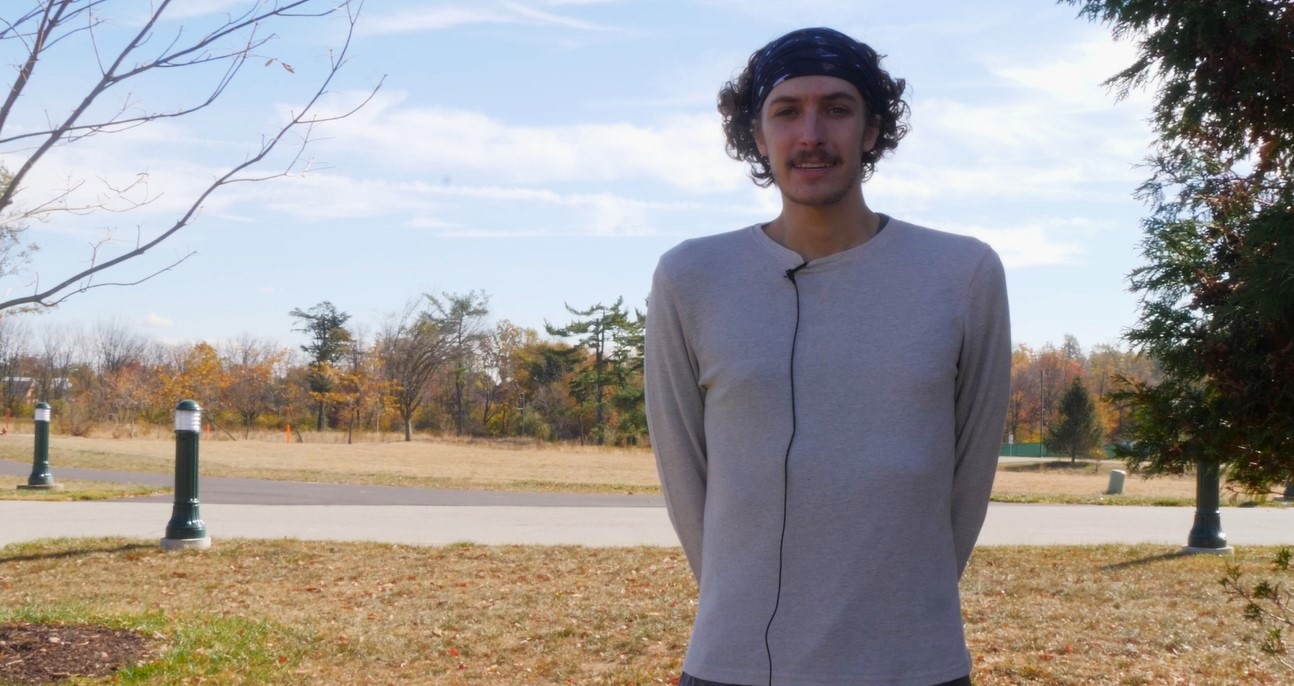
(810, 131)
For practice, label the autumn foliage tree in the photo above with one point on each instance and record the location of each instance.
(1217, 298)
(249, 385)
(362, 393)
(411, 348)
(437, 356)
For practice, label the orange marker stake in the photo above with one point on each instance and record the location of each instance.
(287, 434)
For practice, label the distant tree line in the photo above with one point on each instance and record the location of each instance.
(1061, 395)
(438, 366)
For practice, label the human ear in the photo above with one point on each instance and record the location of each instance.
(760, 145)
(872, 133)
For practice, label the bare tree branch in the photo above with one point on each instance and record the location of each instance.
(56, 17)
(90, 286)
(55, 14)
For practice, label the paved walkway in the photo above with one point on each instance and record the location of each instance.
(232, 491)
(246, 508)
(1008, 524)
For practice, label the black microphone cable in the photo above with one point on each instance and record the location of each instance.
(777, 601)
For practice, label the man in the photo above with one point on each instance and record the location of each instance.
(826, 394)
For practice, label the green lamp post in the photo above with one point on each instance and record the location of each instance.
(40, 478)
(186, 530)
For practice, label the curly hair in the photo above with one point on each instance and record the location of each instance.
(884, 100)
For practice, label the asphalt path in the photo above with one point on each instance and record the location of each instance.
(219, 490)
(250, 508)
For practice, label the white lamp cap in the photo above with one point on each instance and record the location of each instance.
(188, 420)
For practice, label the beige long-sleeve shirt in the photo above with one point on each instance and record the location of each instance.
(901, 376)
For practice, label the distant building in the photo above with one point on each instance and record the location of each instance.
(27, 390)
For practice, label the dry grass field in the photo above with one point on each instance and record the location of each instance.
(528, 466)
(299, 613)
(285, 612)
(443, 463)
(1058, 481)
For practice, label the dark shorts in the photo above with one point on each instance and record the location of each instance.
(689, 680)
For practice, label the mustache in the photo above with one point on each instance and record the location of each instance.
(813, 158)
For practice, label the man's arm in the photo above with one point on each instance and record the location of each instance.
(983, 387)
(675, 417)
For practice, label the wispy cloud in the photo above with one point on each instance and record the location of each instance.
(683, 151)
(200, 8)
(1077, 77)
(542, 18)
(157, 321)
(458, 210)
(1025, 245)
(1046, 132)
(444, 17)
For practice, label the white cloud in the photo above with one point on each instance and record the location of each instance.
(1045, 132)
(198, 8)
(1024, 246)
(1077, 77)
(459, 210)
(433, 19)
(443, 17)
(796, 13)
(157, 321)
(543, 18)
(683, 151)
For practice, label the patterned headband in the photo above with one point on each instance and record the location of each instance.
(813, 52)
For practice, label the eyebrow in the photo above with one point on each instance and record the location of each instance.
(836, 95)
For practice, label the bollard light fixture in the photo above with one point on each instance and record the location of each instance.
(1206, 535)
(188, 416)
(186, 529)
(40, 478)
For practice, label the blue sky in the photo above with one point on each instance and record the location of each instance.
(548, 151)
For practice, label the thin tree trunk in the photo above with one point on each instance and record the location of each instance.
(458, 401)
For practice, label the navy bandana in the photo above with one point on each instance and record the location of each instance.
(813, 52)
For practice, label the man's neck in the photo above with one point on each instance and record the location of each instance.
(816, 232)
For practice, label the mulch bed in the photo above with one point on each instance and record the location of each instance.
(46, 654)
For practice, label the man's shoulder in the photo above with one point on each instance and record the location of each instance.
(926, 238)
(943, 251)
(706, 251)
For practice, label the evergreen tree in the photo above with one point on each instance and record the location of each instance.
(629, 399)
(1076, 430)
(599, 327)
(461, 319)
(1216, 294)
(329, 343)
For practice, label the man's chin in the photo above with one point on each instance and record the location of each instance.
(823, 198)
(815, 197)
